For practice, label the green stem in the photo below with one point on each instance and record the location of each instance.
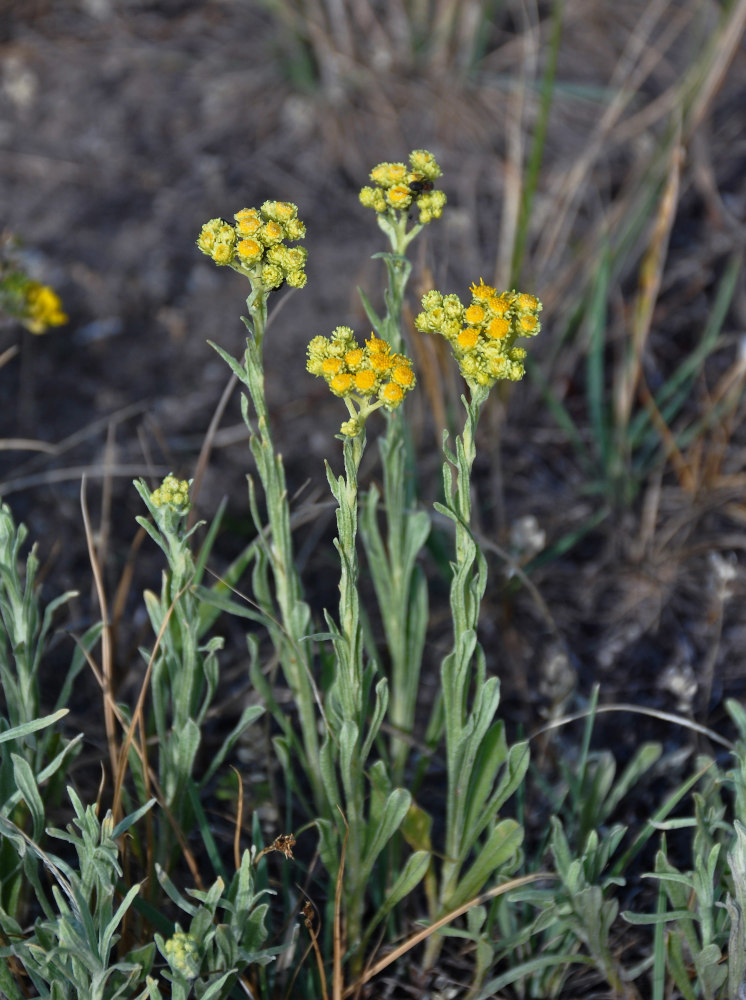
(289, 636)
(462, 670)
(350, 644)
(347, 696)
(401, 597)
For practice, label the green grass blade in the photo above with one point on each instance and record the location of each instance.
(595, 364)
(536, 153)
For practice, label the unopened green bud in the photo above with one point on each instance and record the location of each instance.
(182, 954)
(173, 493)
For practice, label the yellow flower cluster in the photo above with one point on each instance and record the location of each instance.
(397, 187)
(43, 308)
(172, 492)
(182, 953)
(372, 375)
(482, 334)
(255, 244)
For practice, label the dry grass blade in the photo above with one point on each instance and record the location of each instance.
(26, 444)
(74, 473)
(337, 980)
(107, 650)
(650, 276)
(137, 716)
(207, 445)
(239, 820)
(426, 932)
(308, 911)
(638, 61)
(8, 354)
(653, 713)
(724, 46)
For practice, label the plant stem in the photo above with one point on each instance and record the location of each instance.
(295, 617)
(462, 670)
(347, 699)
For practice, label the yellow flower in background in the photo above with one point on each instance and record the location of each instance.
(43, 308)
(35, 305)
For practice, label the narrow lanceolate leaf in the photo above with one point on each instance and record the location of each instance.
(18, 732)
(501, 847)
(411, 875)
(238, 370)
(394, 812)
(26, 783)
(373, 318)
(106, 937)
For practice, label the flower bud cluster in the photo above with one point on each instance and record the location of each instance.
(482, 335)
(397, 187)
(173, 493)
(182, 954)
(255, 244)
(372, 375)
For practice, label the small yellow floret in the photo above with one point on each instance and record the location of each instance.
(377, 346)
(379, 174)
(295, 258)
(528, 324)
(403, 376)
(380, 362)
(526, 302)
(423, 161)
(481, 291)
(467, 339)
(474, 314)
(222, 253)
(341, 385)
(499, 305)
(365, 381)
(272, 232)
(249, 251)
(399, 196)
(295, 229)
(331, 366)
(296, 279)
(391, 394)
(497, 328)
(497, 366)
(282, 211)
(354, 358)
(248, 221)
